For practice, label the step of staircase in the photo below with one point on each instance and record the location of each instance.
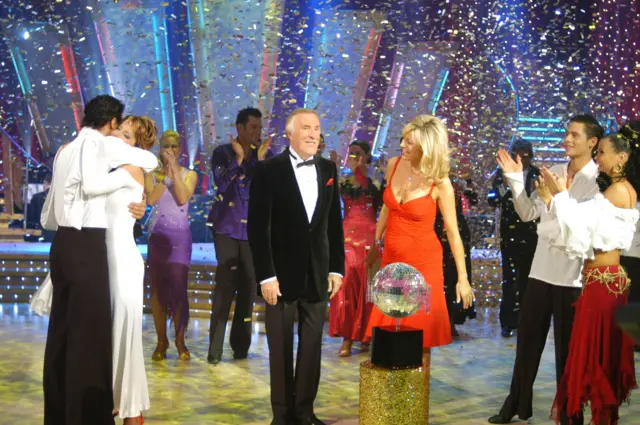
(20, 277)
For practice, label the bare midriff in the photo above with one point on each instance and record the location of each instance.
(609, 258)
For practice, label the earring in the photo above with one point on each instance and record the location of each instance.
(618, 170)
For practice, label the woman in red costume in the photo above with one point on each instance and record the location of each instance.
(350, 308)
(418, 185)
(600, 369)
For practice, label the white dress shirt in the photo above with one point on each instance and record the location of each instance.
(502, 189)
(77, 170)
(307, 178)
(551, 264)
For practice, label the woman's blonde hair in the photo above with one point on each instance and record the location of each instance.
(171, 134)
(430, 134)
(145, 131)
(167, 134)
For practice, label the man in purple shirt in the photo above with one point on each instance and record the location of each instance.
(233, 166)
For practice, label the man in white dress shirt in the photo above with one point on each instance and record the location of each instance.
(555, 280)
(297, 243)
(78, 357)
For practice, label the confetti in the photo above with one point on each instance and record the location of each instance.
(494, 71)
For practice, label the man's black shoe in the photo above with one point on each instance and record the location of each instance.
(211, 359)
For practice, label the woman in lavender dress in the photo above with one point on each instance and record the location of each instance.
(169, 190)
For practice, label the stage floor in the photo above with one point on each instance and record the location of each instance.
(469, 378)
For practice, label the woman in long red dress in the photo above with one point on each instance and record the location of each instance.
(350, 309)
(418, 185)
(600, 369)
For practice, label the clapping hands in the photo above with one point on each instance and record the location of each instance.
(508, 164)
(170, 164)
(264, 148)
(543, 191)
(237, 149)
(354, 162)
(555, 183)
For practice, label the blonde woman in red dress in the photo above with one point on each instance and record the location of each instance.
(417, 186)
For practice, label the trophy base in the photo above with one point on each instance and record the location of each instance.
(396, 348)
(394, 397)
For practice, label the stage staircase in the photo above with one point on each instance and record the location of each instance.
(13, 234)
(21, 275)
(546, 136)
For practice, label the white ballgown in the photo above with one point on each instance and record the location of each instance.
(126, 280)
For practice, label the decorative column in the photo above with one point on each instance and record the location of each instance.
(71, 74)
(292, 65)
(362, 83)
(163, 72)
(202, 78)
(271, 39)
(25, 85)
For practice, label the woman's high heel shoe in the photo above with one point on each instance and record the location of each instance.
(161, 352)
(183, 352)
(345, 350)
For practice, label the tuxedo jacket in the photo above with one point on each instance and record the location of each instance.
(510, 224)
(283, 242)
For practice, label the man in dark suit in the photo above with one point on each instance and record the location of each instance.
(35, 209)
(296, 238)
(35, 205)
(518, 239)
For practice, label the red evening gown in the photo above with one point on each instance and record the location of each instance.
(600, 369)
(350, 310)
(410, 238)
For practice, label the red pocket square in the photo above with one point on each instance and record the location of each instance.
(329, 182)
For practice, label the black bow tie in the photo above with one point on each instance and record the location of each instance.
(308, 162)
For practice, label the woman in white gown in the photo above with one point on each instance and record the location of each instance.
(126, 275)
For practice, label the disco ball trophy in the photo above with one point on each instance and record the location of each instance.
(394, 385)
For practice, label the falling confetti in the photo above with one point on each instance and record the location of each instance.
(494, 71)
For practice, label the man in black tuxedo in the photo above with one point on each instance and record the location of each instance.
(296, 238)
(518, 239)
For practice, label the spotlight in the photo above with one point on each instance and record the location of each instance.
(25, 35)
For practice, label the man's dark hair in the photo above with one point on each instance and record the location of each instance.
(47, 178)
(101, 110)
(591, 125)
(520, 145)
(244, 114)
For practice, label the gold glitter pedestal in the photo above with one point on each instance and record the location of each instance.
(394, 397)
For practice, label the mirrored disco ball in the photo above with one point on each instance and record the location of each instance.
(399, 290)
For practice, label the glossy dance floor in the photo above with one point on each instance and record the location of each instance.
(469, 378)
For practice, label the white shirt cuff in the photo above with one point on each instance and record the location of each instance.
(518, 177)
(271, 279)
(559, 198)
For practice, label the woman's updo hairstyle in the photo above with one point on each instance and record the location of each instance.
(628, 140)
(365, 148)
(145, 130)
